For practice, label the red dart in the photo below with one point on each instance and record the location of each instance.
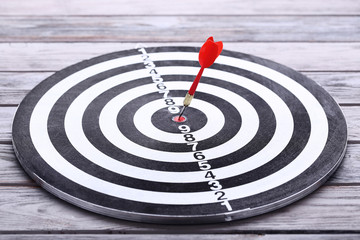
(207, 56)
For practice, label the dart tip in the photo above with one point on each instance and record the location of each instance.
(182, 111)
(179, 119)
(187, 101)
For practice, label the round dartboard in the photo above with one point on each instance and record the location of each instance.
(101, 134)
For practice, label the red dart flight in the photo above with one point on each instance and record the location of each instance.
(207, 56)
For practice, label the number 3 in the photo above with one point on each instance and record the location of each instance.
(215, 185)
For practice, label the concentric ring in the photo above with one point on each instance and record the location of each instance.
(142, 121)
(75, 134)
(246, 133)
(241, 174)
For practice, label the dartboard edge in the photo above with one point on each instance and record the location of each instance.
(100, 134)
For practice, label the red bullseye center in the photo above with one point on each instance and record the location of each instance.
(179, 120)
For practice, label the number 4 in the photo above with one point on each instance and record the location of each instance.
(209, 174)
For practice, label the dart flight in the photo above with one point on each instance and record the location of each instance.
(208, 53)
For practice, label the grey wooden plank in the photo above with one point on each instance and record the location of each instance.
(343, 86)
(342, 236)
(10, 81)
(184, 7)
(180, 28)
(11, 172)
(7, 114)
(352, 116)
(28, 209)
(300, 56)
(15, 85)
(348, 171)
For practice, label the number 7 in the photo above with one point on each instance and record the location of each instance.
(194, 145)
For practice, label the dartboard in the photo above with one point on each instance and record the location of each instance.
(101, 134)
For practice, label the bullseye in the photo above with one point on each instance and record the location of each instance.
(179, 119)
(105, 135)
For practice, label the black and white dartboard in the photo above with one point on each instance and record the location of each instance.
(101, 134)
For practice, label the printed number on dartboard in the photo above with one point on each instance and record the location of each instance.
(204, 165)
(159, 81)
(189, 138)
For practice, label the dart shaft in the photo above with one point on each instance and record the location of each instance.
(196, 81)
(182, 111)
(187, 101)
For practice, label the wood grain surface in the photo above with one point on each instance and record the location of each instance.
(184, 7)
(31, 56)
(179, 28)
(319, 38)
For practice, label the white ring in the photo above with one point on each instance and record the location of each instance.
(73, 128)
(216, 120)
(76, 135)
(250, 122)
(142, 120)
(41, 140)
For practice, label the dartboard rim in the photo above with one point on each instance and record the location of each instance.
(178, 219)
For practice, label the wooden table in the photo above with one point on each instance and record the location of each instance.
(318, 38)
